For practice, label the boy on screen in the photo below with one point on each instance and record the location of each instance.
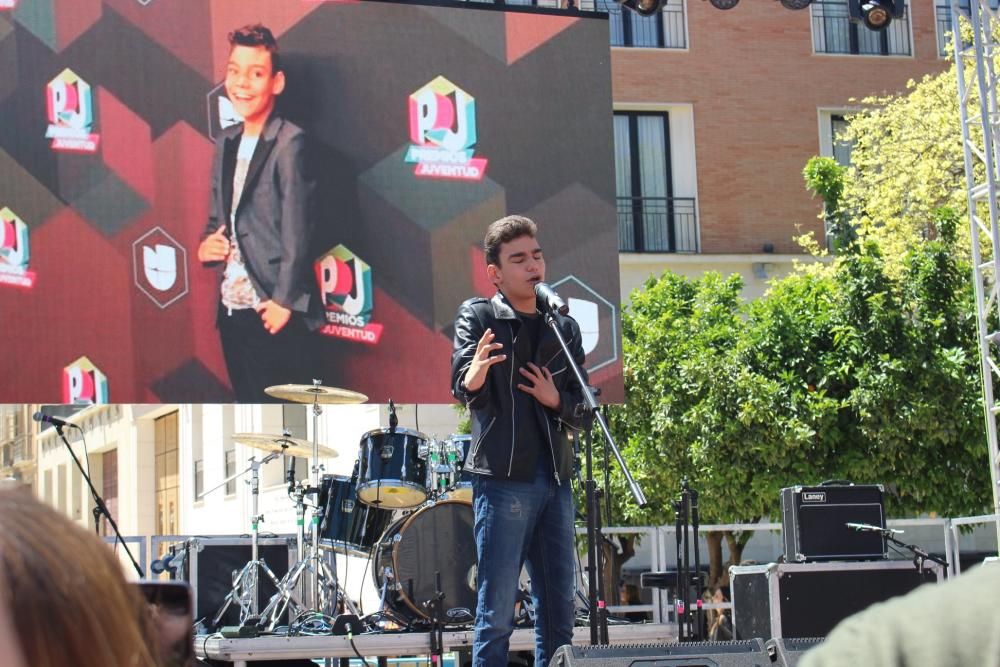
(260, 228)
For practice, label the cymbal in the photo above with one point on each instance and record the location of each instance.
(310, 393)
(279, 443)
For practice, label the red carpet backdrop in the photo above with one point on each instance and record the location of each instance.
(425, 123)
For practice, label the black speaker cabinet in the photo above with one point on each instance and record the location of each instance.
(688, 654)
(814, 523)
(809, 599)
(209, 564)
(786, 652)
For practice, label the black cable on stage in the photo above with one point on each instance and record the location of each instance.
(364, 573)
(204, 644)
(350, 638)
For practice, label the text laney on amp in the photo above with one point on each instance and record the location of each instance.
(814, 522)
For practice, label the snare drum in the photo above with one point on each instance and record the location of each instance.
(348, 526)
(456, 450)
(391, 472)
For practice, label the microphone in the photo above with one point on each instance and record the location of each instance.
(868, 528)
(550, 301)
(393, 419)
(49, 419)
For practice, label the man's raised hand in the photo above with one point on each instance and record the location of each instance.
(475, 376)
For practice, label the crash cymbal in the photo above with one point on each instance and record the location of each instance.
(310, 393)
(278, 443)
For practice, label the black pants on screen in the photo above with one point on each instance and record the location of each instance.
(256, 359)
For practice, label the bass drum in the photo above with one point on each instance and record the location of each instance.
(438, 538)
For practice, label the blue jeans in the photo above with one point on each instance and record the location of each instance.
(521, 523)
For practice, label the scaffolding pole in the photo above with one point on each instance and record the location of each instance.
(980, 117)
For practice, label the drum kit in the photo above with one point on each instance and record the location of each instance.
(407, 507)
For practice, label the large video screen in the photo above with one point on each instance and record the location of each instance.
(423, 123)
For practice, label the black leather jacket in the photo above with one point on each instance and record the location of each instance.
(495, 425)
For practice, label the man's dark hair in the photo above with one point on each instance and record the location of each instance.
(257, 35)
(506, 230)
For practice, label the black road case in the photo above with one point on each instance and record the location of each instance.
(809, 599)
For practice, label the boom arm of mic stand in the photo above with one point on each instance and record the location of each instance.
(594, 408)
(100, 507)
(918, 553)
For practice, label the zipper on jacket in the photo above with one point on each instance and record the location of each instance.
(513, 421)
(552, 450)
(482, 436)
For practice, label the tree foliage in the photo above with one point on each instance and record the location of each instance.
(855, 373)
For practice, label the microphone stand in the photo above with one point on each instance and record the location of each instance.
(919, 555)
(591, 412)
(100, 509)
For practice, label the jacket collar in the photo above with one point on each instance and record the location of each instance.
(260, 155)
(502, 310)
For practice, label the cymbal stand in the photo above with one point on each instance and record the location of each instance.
(246, 583)
(321, 588)
(314, 553)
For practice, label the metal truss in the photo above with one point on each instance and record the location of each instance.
(976, 63)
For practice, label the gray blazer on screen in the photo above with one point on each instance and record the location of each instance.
(275, 221)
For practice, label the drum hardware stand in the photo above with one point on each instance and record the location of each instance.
(436, 607)
(321, 579)
(330, 593)
(246, 583)
(689, 622)
(317, 469)
(591, 412)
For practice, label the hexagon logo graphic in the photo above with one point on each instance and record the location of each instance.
(597, 318)
(159, 267)
(221, 113)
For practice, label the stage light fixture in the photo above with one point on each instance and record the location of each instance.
(724, 4)
(642, 7)
(795, 5)
(875, 14)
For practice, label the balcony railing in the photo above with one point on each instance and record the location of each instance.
(657, 224)
(833, 32)
(666, 30)
(942, 13)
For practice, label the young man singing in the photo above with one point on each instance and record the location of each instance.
(508, 367)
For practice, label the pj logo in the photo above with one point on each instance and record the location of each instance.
(345, 283)
(14, 251)
(83, 383)
(443, 132)
(70, 105)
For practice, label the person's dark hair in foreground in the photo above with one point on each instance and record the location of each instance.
(63, 593)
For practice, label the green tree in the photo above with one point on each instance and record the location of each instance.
(852, 373)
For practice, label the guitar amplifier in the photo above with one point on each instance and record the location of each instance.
(814, 523)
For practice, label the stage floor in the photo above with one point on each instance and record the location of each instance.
(242, 651)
